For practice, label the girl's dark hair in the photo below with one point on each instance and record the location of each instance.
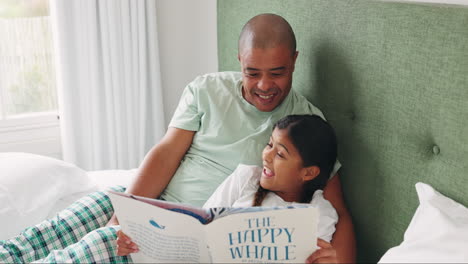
(315, 140)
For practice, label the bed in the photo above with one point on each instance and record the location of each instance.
(392, 79)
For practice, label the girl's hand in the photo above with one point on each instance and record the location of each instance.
(325, 254)
(125, 245)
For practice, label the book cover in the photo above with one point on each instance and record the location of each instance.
(178, 233)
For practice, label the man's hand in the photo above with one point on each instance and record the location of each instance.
(343, 239)
(125, 245)
(325, 254)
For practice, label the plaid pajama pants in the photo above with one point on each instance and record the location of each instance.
(75, 235)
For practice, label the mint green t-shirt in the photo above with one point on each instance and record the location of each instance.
(229, 131)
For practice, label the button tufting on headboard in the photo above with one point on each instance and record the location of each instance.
(435, 150)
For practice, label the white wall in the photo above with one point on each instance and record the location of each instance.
(187, 45)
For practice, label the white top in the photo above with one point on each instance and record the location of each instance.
(239, 188)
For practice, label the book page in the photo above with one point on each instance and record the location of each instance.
(281, 236)
(203, 215)
(162, 236)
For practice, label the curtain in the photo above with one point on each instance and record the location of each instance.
(108, 78)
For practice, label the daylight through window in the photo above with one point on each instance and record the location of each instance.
(27, 74)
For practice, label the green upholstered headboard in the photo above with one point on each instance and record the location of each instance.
(392, 78)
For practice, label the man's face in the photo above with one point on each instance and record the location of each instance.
(266, 75)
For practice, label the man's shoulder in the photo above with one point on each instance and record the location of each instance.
(227, 76)
(301, 105)
(215, 81)
(298, 97)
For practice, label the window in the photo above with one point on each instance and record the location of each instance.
(28, 96)
(27, 79)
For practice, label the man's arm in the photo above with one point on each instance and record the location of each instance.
(343, 239)
(160, 164)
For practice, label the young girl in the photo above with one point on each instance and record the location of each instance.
(297, 162)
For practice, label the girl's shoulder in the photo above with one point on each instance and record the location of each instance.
(248, 175)
(317, 201)
(326, 208)
(248, 171)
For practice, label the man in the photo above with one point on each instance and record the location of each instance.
(224, 119)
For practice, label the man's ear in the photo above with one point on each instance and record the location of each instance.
(311, 173)
(296, 53)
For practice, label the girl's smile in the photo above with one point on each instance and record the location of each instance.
(267, 173)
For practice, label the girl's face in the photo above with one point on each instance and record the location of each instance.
(283, 171)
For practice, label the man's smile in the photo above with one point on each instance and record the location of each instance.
(266, 98)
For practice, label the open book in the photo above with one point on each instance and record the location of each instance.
(172, 232)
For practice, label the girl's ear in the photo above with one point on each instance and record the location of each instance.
(311, 173)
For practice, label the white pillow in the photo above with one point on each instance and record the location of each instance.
(438, 232)
(29, 187)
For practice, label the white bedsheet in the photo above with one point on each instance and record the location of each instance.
(101, 180)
